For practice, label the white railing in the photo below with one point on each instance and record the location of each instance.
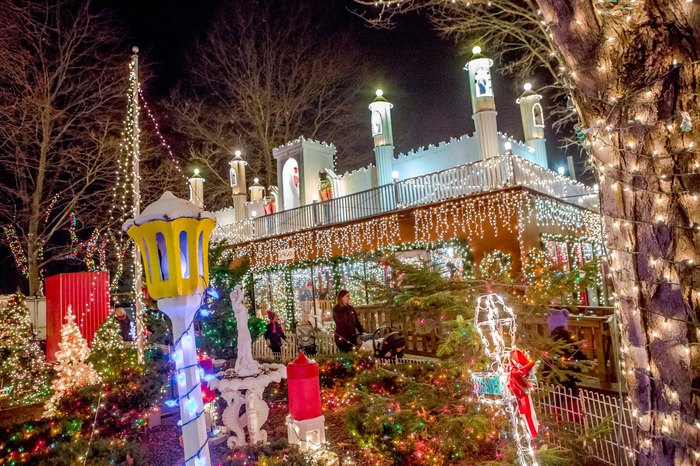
(324, 345)
(472, 178)
(586, 411)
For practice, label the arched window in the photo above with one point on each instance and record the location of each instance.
(482, 82)
(376, 123)
(537, 116)
(162, 257)
(184, 256)
(148, 260)
(200, 254)
(233, 177)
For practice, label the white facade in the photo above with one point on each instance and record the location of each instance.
(299, 162)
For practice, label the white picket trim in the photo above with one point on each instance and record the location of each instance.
(585, 411)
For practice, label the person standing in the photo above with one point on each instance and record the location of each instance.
(274, 334)
(306, 338)
(124, 323)
(347, 324)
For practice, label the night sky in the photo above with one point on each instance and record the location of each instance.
(420, 73)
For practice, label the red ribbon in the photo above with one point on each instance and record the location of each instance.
(520, 386)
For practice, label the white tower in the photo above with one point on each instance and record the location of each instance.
(483, 103)
(257, 191)
(238, 185)
(382, 133)
(533, 123)
(197, 189)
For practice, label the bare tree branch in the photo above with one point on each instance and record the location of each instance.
(261, 78)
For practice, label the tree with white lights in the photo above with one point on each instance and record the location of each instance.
(72, 369)
(630, 71)
(109, 352)
(22, 365)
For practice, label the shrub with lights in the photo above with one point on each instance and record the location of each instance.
(110, 353)
(102, 423)
(23, 376)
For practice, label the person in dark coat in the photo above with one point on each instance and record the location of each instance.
(347, 324)
(568, 360)
(124, 323)
(274, 334)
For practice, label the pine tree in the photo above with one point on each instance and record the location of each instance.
(109, 353)
(72, 368)
(22, 366)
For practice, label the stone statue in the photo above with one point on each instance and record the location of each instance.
(242, 387)
(245, 364)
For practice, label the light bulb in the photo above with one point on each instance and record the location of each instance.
(527, 87)
(476, 50)
(379, 93)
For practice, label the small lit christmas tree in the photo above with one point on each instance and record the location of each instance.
(109, 353)
(22, 367)
(72, 368)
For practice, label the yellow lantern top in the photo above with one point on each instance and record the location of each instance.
(173, 237)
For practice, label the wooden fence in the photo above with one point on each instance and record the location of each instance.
(595, 331)
(580, 413)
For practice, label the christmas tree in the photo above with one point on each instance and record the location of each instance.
(22, 367)
(72, 368)
(110, 354)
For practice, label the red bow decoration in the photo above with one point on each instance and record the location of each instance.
(520, 386)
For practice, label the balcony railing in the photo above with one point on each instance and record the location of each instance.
(472, 178)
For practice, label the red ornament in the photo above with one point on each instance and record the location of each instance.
(520, 386)
(304, 388)
(208, 395)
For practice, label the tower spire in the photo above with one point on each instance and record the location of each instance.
(383, 136)
(483, 103)
(532, 118)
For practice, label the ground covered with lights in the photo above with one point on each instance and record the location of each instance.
(380, 415)
(93, 407)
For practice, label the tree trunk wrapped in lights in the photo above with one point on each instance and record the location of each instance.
(632, 71)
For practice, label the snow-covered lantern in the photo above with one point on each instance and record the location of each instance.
(173, 236)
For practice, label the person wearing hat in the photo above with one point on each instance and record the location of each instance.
(124, 323)
(306, 338)
(274, 334)
(570, 353)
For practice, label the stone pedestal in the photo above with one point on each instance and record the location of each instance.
(246, 391)
(309, 434)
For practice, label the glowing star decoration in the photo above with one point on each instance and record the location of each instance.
(511, 377)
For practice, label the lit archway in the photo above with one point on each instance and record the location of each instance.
(290, 184)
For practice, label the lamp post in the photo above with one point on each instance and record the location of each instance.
(173, 236)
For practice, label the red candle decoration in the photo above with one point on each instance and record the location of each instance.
(304, 388)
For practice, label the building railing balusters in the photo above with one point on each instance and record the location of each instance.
(476, 177)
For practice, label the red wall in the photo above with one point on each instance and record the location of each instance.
(88, 295)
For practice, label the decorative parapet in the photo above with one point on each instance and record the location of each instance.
(473, 178)
(299, 140)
